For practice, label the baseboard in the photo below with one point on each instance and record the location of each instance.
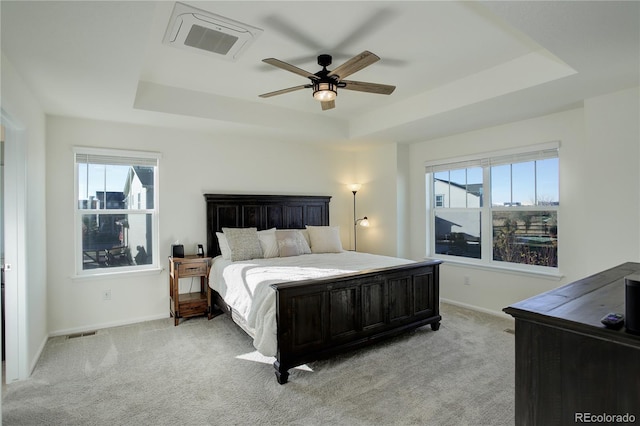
(476, 308)
(106, 325)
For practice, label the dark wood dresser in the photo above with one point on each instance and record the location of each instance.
(569, 367)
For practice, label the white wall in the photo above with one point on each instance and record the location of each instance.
(377, 171)
(192, 164)
(403, 179)
(599, 191)
(28, 122)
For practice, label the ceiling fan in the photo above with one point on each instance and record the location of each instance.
(325, 83)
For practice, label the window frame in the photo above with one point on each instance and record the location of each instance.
(485, 161)
(118, 157)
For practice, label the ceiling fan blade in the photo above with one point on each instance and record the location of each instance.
(366, 28)
(328, 105)
(283, 91)
(291, 68)
(290, 31)
(361, 86)
(354, 64)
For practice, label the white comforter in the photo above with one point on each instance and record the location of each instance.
(245, 285)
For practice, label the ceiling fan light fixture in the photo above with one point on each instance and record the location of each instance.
(325, 91)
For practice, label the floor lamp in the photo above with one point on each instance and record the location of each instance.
(362, 222)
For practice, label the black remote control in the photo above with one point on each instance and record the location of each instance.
(613, 320)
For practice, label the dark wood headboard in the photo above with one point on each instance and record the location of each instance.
(262, 212)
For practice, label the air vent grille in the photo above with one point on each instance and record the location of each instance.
(83, 334)
(205, 32)
(210, 40)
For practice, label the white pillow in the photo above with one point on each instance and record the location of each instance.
(243, 243)
(305, 234)
(268, 243)
(325, 239)
(291, 242)
(224, 246)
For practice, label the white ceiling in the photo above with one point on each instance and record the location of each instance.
(457, 66)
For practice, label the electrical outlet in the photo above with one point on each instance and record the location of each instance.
(106, 294)
(466, 280)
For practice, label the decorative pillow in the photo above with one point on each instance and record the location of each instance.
(291, 242)
(224, 246)
(305, 234)
(243, 243)
(268, 243)
(325, 239)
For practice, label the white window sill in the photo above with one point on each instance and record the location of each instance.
(550, 275)
(115, 274)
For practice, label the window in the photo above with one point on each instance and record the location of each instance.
(116, 210)
(498, 209)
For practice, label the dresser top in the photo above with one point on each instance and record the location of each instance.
(580, 306)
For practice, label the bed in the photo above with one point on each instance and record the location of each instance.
(323, 314)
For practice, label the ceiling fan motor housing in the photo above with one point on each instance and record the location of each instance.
(324, 60)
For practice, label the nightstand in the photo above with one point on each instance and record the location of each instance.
(187, 305)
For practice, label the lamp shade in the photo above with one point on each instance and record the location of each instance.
(355, 187)
(325, 91)
(364, 222)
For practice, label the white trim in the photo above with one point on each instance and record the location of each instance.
(501, 315)
(533, 272)
(117, 273)
(104, 325)
(107, 152)
(116, 155)
(485, 161)
(501, 153)
(15, 169)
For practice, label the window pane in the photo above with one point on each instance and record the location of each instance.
(441, 189)
(458, 233)
(526, 237)
(115, 186)
(460, 188)
(474, 187)
(116, 240)
(548, 182)
(523, 184)
(501, 185)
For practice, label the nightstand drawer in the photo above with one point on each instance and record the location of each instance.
(192, 269)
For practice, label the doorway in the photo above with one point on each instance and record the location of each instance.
(14, 251)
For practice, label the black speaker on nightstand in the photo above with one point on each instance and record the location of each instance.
(177, 250)
(632, 303)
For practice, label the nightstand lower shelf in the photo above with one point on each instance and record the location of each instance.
(189, 305)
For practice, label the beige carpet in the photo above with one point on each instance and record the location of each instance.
(207, 372)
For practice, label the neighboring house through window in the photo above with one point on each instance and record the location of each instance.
(116, 210)
(496, 209)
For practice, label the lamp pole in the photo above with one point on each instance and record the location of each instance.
(355, 224)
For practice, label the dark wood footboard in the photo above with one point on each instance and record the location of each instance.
(320, 318)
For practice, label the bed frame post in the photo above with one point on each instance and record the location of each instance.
(282, 374)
